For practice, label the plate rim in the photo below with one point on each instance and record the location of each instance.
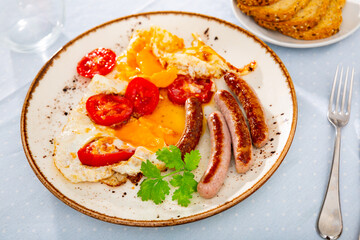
(268, 39)
(153, 223)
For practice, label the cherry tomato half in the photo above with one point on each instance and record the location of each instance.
(108, 109)
(184, 87)
(99, 61)
(93, 154)
(143, 94)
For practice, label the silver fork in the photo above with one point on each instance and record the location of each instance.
(330, 221)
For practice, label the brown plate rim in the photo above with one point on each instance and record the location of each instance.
(153, 223)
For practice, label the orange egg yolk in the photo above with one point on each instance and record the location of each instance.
(123, 70)
(164, 78)
(161, 128)
(165, 125)
(144, 64)
(150, 66)
(148, 63)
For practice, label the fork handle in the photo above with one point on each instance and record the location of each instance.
(330, 220)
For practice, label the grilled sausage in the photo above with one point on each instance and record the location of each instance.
(239, 131)
(252, 106)
(193, 126)
(214, 176)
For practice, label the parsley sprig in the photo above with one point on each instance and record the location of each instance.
(155, 187)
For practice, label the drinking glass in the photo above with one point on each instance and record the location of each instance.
(30, 25)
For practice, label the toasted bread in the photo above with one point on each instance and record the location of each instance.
(257, 2)
(282, 10)
(327, 26)
(303, 20)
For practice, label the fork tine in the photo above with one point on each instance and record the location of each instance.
(339, 90)
(350, 90)
(344, 90)
(333, 89)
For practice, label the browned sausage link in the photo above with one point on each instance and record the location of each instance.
(239, 131)
(193, 126)
(252, 106)
(218, 165)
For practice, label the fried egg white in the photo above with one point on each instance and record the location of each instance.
(80, 130)
(169, 52)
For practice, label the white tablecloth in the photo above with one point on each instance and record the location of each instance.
(285, 207)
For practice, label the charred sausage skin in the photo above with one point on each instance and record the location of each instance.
(252, 106)
(193, 126)
(240, 135)
(218, 165)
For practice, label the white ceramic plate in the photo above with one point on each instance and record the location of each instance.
(350, 23)
(56, 89)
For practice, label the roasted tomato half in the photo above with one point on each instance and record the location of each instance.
(103, 152)
(109, 109)
(143, 94)
(184, 87)
(99, 61)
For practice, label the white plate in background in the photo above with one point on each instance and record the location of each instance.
(350, 23)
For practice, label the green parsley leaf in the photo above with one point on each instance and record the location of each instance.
(145, 189)
(154, 189)
(192, 160)
(187, 185)
(176, 181)
(150, 170)
(182, 196)
(189, 181)
(161, 188)
(171, 157)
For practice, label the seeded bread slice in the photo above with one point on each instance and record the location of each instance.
(282, 10)
(328, 25)
(303, 20)
(257, 2)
